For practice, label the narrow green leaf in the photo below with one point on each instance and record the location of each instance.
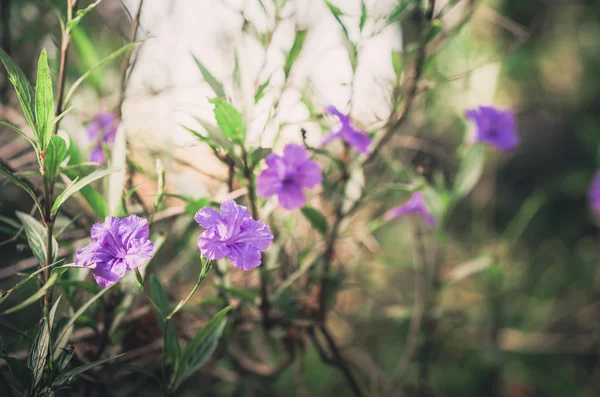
(17, 181)
(92, 197)
(36, 237)
(103, 62)
(76, 185)
(36, 296)
(363, 15)
(210, 79)
(258, 155)
(23, 88)
(5, 294)
(201, 348)
(87, 49)
(470, 171)
(44, 102)
(337, 13)
(316, 219)
(170, 335)
(295, 51)
(52, 313)
(17, 130)
(397, 62)
(261, 90)
(80, 14)
(229, 120)
(64, 377)
(403, 8)
(36, 360)
(56, 153)
(62, 338)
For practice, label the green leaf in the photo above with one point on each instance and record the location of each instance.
(470, 171)
(258, 155)
(23, 88)
(36, 360)
(92, 197)
(64, 377)
(36, 238)
(199, 350)
(22, 133)
(63, 337)
(294, 51)
(36, 296)
(44, 102)
(5, 294)
(56, 153)
(316, 219)
(363, 15)
(261, 90)
(17, 181)
(337, 13)
(229, 120)
(397, 62)
(80, 14)
(76, 185)
(210, 79)
(52, 313)
(403, 8)
(103, 62)
(170, 332)
(87, 50)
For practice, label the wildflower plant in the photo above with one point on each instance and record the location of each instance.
(291, 282)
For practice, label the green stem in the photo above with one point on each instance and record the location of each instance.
(142, 286)
(206, 265)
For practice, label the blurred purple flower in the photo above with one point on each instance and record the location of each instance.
(415, 205)
(102, 130)
(495, 127)
(286, 175)
(353, 137)
(234, 234)
(594, 193)
(118, 245)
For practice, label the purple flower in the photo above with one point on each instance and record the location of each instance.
(594, 193)
(415, 205)
(234, 234)
(353, 137)
(495, 127)
(118, 245)
(286, 176)
(102, 130)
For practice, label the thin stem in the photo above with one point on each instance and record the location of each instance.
(142, 287)
(341, 363)
(265, 305)
(64, 51)
(206, 265)
(6, 42)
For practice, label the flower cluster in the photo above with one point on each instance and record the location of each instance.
(119, 245)
(102, 131)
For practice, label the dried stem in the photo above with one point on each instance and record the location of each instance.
(64, 51)
(128, 64)
(6, 44)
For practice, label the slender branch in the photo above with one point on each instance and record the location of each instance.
(128, 64)
(418, 311)
(341, 363)
(6, 43)
(64, 52)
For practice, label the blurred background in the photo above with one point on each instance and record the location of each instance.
(517, 297)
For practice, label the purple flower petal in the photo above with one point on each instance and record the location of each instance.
(291, 196)
(234, 234)
(102, 129)
(415, 205)
(286, 176)
(359, 140)
(594, 193)
(244, 256)
(494, 127)
(118, 245)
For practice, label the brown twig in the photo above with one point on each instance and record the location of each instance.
(6, 44)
